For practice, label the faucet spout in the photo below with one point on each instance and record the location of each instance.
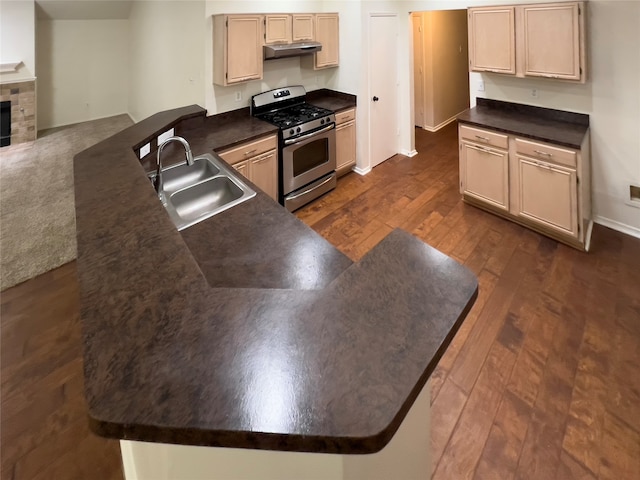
(189, 160)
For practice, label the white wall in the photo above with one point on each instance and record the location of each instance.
(277, 73)
(167, 61)
(82, 67)
(17, 38)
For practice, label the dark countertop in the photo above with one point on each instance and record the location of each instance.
(247, 330)
(331, 100)
(544, 124)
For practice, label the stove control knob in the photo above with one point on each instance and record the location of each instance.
(322, 122)
(291, 132)
(298, 129)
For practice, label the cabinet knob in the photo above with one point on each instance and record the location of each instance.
(375, 99)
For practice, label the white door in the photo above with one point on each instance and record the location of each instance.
(383, 87)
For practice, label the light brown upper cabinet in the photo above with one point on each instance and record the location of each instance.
(277, 28)
(328, 34)
(288, 28)
(540, 40)
(237, 48)
(302, 27)
(492, 40)
(553, 43)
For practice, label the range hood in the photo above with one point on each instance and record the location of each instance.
(291, 50)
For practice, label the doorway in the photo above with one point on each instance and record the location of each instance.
(440, 67)
(383, 86)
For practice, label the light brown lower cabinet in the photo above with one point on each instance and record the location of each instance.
(542, 186)
(257, 161)
(345, 141)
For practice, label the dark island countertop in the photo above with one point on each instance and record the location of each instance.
(544, 124)
(247, 330)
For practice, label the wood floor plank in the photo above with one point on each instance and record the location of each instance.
(445, 411)
(502, 450)
(620, 454)
(472, 355)
(467, 441)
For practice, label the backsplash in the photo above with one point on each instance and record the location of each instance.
(22, 95)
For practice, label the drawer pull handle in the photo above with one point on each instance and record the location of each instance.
(250, 152)
(485, 150)
(263, 158)
(546, 154)
(543, 165)
(483, 138)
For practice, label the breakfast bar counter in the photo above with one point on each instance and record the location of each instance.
(247, 330)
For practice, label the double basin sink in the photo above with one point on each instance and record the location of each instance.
(193, 193)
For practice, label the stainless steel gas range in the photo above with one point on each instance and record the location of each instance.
(306, 143)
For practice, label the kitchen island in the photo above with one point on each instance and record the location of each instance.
(248, 330)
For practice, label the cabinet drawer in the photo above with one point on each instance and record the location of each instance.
(546, 152)
(345, 116)
(248, 150)
(485, 137)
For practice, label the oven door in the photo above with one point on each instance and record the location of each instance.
(308, 158)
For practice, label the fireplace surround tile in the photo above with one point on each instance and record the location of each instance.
(22, 96)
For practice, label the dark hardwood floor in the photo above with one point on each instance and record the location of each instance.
(541, 381)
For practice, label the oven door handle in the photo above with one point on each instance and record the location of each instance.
(293, 197)
(315, 132)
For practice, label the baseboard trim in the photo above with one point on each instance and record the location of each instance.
(87, 120)
(618, 226)
(443, 124)
(409, 153)
(362, 171)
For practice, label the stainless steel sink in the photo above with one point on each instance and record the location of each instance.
(183, 175)
(193, 193)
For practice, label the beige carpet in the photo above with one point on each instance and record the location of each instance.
(37, 212)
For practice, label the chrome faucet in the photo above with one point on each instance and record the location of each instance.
(189, 156)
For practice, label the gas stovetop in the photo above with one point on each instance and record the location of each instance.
(286, 108)
(295, 115)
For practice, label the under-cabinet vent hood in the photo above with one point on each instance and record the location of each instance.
(291, 50)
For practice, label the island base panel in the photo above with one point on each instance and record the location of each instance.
(406, 456)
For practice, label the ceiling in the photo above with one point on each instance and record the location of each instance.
(83, 9)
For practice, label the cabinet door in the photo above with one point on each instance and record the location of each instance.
(244, 48)
(302, 27)
(548, 195)
(327, 33)
(485, 174)
(345, 145)
(263, 171)
(277, 29)
(552, 40)
(242, 168)
(492, 40)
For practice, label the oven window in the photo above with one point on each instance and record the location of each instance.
(310, 156)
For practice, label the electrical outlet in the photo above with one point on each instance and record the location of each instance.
(481, 86)
(238, 96)
(144, 150)
(163, 136)
(634, 196)
(534, 92)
